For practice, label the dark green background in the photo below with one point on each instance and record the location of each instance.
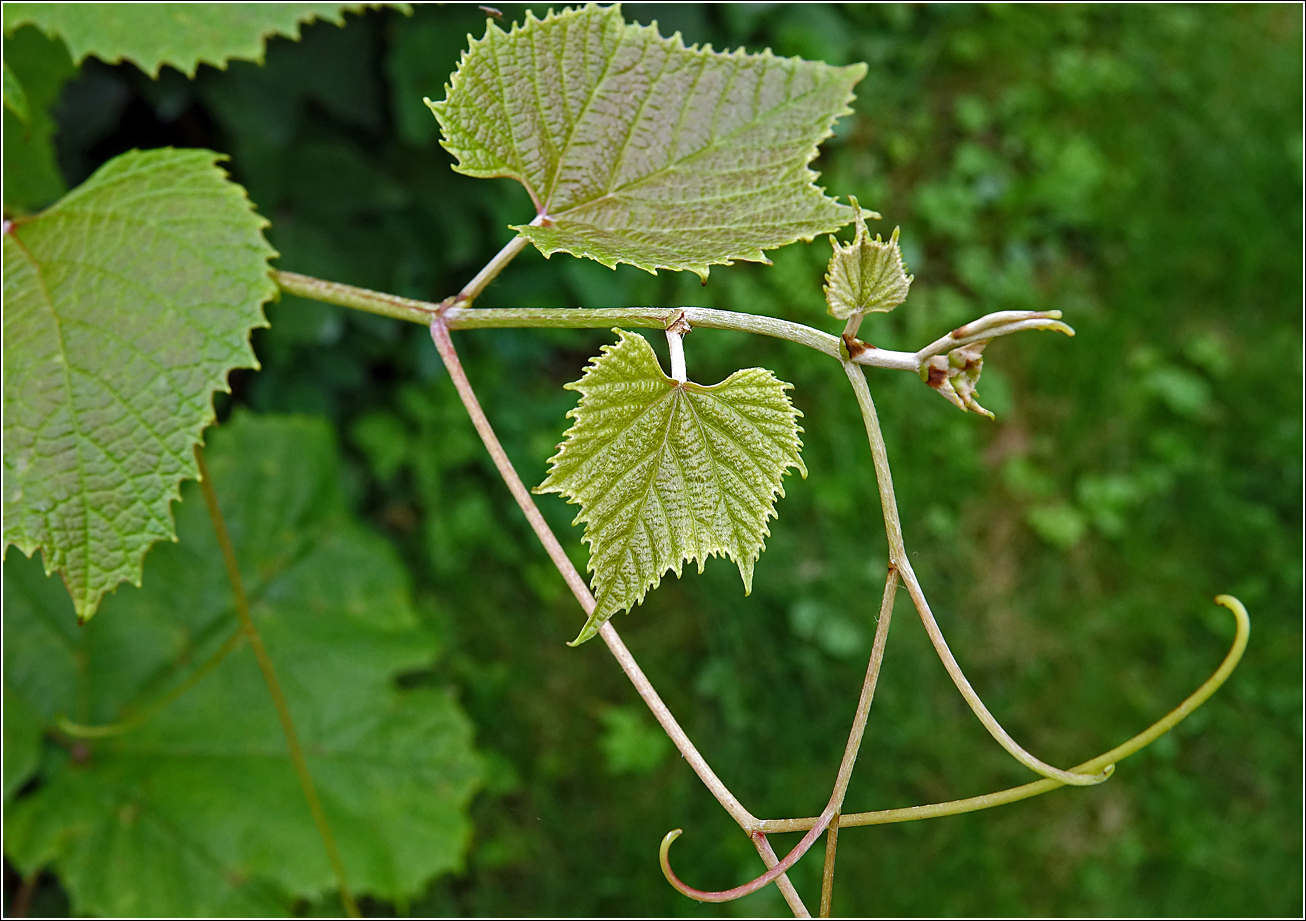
(1139, 168)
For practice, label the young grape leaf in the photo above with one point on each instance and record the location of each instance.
(197, 810)
(865, 276)
(183, 35)
(668, 472)
(126, 304)
(637, 149)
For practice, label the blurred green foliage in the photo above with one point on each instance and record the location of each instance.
(1139, 168)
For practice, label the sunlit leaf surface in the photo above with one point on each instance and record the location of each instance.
(126, 304)
(667, 472)
(637, 149)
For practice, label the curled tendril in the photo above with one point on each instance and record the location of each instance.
(748, 888)
(1000, 735)
(1025, 791)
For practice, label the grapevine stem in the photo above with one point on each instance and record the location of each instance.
(791, 896)
(458, 316)
(827, 874)
(526, 502)
(492, 269)
(274, 686)
(840, 785)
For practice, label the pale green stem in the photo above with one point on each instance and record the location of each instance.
(898, 557)
(1025, 791)
(841, 781)
(492, 268)
(859, 728)
(526, 502)
(377, 302)
(729, 895)
(459, 318)
(791, 896)
(676, 348)
(78, 731)
(827, 873)
(274, 686)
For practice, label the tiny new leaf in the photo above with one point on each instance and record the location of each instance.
(637, 149)
(668, 472)
(865, 276)
(188, 806)
(125, 305)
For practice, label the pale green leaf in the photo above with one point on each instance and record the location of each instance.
(126, 304)
(669, 472)
(637, 149)
(197, 811)
(865, 276)
(183, 35)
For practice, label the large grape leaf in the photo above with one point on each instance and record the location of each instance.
(197, 811)
(126, 304)
(183, 35)
(668, 472)
(637, 149)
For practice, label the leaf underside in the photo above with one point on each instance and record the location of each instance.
(637, 149)
(197, 812)
(182, 35)
(667, 472)
(125, 305)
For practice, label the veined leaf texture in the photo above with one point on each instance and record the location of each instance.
(668, 472)
(638, 149)
(126, 304)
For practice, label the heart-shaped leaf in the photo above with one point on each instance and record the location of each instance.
(667, 472)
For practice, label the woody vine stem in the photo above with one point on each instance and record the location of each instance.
(456, 313)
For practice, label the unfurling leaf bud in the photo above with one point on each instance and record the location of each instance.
(956, 375)
(865, 275)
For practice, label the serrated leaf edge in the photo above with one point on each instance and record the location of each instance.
(745, 566)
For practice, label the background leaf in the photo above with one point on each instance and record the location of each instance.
(667, 472)
(637, 149)
(40, 67)
(183, 35)
(22, 742)
(198, 811)
(108, 378)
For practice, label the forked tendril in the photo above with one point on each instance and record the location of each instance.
(1025, 791)
(815, 827)
(1003, 738)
